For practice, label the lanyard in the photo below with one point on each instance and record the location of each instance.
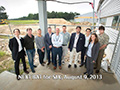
(57, 38)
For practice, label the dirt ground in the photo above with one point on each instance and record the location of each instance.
(5, 29)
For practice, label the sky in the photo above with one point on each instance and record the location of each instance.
(20, 8)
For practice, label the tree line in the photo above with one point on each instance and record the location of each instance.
(53, 14)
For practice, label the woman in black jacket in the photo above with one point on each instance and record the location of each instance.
(92, 53)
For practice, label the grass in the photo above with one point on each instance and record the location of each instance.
(9, 66)
(2, 54)
(18, 22)
(5, 37)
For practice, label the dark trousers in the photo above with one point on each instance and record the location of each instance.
(83, 52)
(90, 65)
(48, 55)
(41, 56)
(21, 56)
(57, 51)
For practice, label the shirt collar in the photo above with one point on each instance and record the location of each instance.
(101, 34)
(17, 37)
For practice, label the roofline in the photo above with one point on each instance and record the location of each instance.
(100, 2)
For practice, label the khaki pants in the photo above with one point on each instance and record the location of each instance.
(98, 61)
(72, 53)
(64, 52)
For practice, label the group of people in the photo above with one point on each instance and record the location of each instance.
(56, 45)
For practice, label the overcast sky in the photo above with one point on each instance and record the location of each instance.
(20, 8)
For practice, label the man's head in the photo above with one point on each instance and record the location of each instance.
(78, 29)
(29, 31)
(39, 31)
(57, 30)
(101, 29)
(49, 29)
(64, 28)
(16, 32)
(88, 31)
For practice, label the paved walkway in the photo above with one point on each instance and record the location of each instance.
(8, 80)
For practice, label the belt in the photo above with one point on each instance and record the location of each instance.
(64, 44)
(57, 47)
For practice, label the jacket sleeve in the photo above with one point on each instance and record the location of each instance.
(83, 40)
(10, 44)
(24, 47)
(46, 42)
(24, 43)
(70, 41)
(96, 51)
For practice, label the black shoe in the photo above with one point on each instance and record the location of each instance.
(69, 66)
(81, 65)
(34, 66)
(17, 77)
(33, 71)
(88, 76)
(97, 71)
(26, 72)
(63, 62)
(95, 67)
(85, 72)
(48, 63)
(75, 66)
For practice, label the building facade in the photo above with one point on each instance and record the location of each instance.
(109, 16)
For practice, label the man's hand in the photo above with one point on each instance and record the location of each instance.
(93, 61)
(50, 46)
(68, 49)
(103, 46)
(42, 49)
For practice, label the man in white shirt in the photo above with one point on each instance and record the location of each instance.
(57, 41)
(87, 37)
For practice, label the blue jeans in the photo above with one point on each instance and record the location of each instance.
(48, 55)
(31, 55)
(57, 51)
(41, 56)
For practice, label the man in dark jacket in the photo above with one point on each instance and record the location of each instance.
(30, 48)
(77, 42)
(48, 44)
(17, 49)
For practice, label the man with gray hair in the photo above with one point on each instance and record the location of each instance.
(57, 41)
